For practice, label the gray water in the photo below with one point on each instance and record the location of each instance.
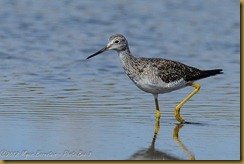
(56, 105)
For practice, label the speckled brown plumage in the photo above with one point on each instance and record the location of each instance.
(154, 75)
(167, 70)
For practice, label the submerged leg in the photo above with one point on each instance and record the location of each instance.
(157, 127)
(157, 107)
(177, 108)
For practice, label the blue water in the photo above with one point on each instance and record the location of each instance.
(55, 105)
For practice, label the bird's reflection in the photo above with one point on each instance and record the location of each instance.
(183, 147)
(153, 154)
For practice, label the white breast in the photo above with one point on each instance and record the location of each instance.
(159, 87)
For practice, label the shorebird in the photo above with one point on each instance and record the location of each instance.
(156, 75)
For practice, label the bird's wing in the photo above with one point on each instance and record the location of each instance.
(170, 71)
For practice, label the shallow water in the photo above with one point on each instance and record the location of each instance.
(55, 105)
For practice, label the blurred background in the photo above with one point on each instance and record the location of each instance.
(56, 105)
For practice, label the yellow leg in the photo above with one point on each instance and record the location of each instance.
(177, 108)
(157, 127)
(157, 109)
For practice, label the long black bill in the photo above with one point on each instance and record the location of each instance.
(100, 51)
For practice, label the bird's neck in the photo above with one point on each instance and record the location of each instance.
(125, 56)
(125, 51)
(128, 62)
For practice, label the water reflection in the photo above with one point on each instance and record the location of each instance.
(153, 154)
(181, 145)
(48, 91)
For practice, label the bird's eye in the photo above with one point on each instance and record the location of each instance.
(116, 41)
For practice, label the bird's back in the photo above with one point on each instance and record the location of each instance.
(169, 70)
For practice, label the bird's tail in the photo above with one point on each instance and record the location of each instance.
(207, 73)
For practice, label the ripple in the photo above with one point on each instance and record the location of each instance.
(53, 100)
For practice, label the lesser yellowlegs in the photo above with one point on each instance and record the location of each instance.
(156, 75)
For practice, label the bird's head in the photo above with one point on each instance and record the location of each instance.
(116, 42)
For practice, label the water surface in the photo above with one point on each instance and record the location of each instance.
(55, 105)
